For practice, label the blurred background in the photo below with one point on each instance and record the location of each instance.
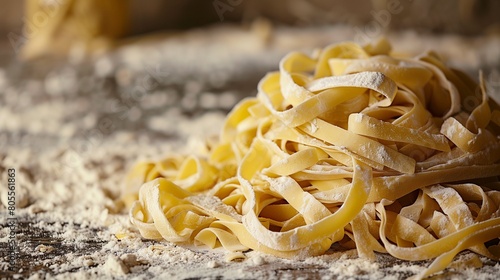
(44, 27)
(467, 17)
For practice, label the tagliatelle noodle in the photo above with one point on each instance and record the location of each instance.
(350, 146)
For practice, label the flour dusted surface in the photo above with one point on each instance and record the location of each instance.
(68, 177)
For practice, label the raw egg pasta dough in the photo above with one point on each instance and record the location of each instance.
(351, 145)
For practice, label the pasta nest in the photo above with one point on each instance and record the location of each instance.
(350, 145)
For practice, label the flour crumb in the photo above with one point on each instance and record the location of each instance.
(212, 264)
(115, 266)
(44, 248)
(257, 260)
(130, 260)
(88, 262)
(314, 126)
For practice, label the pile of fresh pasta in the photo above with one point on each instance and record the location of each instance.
(350, 145)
